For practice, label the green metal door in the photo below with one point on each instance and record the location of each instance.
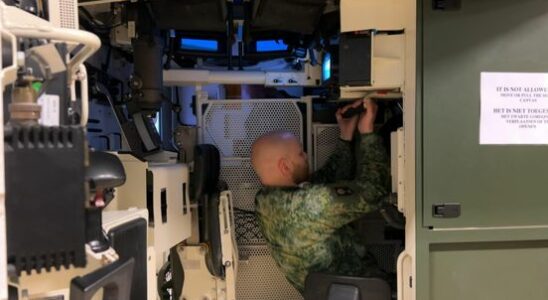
(495, 186)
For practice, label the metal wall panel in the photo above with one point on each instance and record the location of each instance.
(495, 185)
(496, 249)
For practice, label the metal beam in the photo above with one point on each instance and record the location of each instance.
(191, 77)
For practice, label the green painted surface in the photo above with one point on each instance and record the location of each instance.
(489, 271)
(498, 248)
(496, 185)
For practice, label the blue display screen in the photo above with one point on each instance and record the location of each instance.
(199, 45)
(157, 121)
(326, 67)
(271, 46)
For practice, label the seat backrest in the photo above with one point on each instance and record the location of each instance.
(104, 173)
(207, 192)
(207, 165)
(105, 170)
(319, 286)
(214, 256)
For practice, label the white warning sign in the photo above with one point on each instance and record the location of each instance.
(514, 109)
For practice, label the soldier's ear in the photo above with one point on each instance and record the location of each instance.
(283, 166)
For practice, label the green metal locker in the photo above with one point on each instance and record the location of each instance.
(496, 246)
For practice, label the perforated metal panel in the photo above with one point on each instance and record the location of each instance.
(63, 13)
(247, 228)
(259, 277)
(233, 125)
(69, 13)
(325, 140)
(242, 181)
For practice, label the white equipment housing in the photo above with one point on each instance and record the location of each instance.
(63, 13)
(397, 166)
(387, 51)
(309, 76)
(167, 191)
(16, 23)
(3, 246)
(199, 282)
(56, 283)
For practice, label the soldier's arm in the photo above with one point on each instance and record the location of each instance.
(373, 170)
(339, 166)
(345, 201)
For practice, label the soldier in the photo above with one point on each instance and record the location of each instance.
(305, 219)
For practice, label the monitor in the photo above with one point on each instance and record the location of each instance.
(201, 45)
(330, 66)
(326, 67)
(271, 46)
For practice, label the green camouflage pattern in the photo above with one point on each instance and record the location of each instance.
(339, 166)
(307, 227)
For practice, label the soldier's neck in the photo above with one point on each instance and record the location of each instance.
(281, 184)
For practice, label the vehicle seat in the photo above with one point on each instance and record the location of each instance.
(319, 286)
(207, 189)
(105, 172)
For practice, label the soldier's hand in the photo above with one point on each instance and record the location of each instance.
(347, 126)
(366, 124)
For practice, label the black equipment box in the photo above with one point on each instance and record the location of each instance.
(45, 196)
(355, 59)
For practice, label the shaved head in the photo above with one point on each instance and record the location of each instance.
(278, 159)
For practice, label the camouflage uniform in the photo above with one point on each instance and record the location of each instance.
(307, 227)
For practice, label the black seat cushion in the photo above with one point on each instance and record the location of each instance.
(207, 165)
(214, 256)
(206, 192)
(105, 170)
(319, 286)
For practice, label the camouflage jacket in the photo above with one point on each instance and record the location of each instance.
(307, 227)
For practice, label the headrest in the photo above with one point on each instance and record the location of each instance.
(207, 165)
(105, 170)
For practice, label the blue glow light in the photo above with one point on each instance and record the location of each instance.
(157, 123)
(326, 67)
(271, 46)
(199, 45)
